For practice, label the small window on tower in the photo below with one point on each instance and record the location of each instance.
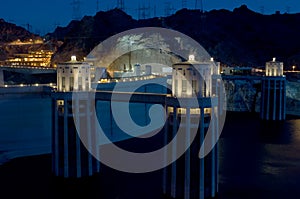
(184, 86)
(71, 83)
(194, 86)
(63, 83)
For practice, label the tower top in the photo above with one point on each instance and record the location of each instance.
(191, 57)
(274, 68)
(73, 58)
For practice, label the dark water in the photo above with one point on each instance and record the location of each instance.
(257, 160)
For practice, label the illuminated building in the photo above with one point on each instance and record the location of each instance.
(192, 78)
(38, 58)
(190, 176)
(73, 76)
(70, 156)
(273, 94)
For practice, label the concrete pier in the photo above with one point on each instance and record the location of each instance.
(273, 92)
(70, 156)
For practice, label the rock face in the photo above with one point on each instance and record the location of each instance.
(293, 98)
(240, 37)
(80, 37)
(245, 96)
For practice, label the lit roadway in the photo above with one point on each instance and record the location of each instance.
(28, 70)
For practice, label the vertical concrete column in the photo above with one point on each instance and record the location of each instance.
(174, 154)
(166, 131)
(262, 104)
(89, 134)
(217, 150)
(274, 100)
(268, 99)
(213, 154)
(280, 100)
(284, 98)
(55, 142)
(187, 173)
(96, 137)
(66, 133)
(201, 173)
(78, 150)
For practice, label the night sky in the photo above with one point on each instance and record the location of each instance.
(45, 15)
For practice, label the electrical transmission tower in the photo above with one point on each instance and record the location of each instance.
(288, 10)
(97, 5)
(201, 5)
(144, 12)
(262, 10)
(168, 8)
(28, 27)
(76, 9)
(120, 5)
(184, 3)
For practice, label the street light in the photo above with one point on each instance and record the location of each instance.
(293, 68)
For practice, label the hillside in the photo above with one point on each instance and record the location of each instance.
(238, 37)
(10, 32)
(15, 40)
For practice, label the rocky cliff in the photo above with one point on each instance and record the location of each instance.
(245, 96)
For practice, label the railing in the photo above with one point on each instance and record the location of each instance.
(53, 85)
(127, 79)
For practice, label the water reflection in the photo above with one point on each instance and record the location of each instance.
(259, 159)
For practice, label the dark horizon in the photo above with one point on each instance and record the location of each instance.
(44, 16)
